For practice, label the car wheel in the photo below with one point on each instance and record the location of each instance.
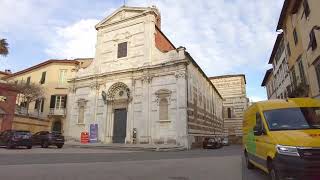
(248, 163)
(204, 146)
(45, 144)
(29, 147)
(273, 173)
(9, 145)
(59, 146)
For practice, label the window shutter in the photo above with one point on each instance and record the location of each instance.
(36, 104)
(28, 80)
(53, 101)
(318, 74)
(65, 101)
(295, 36)
(42, 104)
(43, 77)
(306, 8)
(313, 41)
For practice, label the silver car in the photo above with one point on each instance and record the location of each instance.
(225, 142)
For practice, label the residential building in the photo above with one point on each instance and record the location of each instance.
(140, 88)
(47, 112)
(299, 20)
(233, 91)
(4, 74)
(269, 83)
(280, 73)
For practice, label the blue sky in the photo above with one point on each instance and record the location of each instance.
(223, 36)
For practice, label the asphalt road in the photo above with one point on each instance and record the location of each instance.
(91, 164)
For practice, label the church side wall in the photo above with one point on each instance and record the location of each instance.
(204, 108)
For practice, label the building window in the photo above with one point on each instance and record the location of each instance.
(58, 101)
(39, 105)
(163, 109)
(295, 36)
(28, 80)
(294, 78)
(122, 49)
(317, 67)
(229, 112)
(62, 76)
(301, 71)
(313, 40)
(43, 77)
(288, 49)
(306, 8)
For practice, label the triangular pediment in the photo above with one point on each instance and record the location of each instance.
(122, 14)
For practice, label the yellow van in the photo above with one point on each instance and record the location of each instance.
(282, 138)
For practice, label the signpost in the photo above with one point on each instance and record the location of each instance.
(93, 133)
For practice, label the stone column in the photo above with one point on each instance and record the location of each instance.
(146, 81)
(181, 121)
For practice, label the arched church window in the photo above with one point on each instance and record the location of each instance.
(163, 109)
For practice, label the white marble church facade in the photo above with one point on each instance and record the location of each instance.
(140, 88)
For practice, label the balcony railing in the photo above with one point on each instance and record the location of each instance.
(21, 110)
(24, 112)
(57, 112)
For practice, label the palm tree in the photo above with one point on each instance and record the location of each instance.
(4, 49)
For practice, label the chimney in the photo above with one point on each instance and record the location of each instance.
(7, 71)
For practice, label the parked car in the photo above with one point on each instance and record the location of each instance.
(212, 142)
(14, 138)
(46, 139)
(225, 142)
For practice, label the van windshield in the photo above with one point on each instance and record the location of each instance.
(293, 118)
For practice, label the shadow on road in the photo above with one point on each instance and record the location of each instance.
(252, 174)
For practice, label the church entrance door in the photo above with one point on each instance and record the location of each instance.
(119, 126)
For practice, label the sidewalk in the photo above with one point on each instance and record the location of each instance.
(130, 147)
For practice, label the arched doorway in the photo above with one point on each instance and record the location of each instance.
(56, 126)
(118, 98)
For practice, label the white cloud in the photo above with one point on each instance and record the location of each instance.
(224, 36)
(73, 41)
(256, 98)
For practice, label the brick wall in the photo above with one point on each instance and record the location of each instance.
(7, 106)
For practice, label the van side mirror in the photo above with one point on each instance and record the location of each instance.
(258, 131)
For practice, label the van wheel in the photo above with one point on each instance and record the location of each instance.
(248, 163)
(273, 173)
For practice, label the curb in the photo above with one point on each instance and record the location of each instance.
(155, 149)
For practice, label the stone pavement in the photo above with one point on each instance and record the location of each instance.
(133, 147)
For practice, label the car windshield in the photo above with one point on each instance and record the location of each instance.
(293, 118)
(21, 133)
